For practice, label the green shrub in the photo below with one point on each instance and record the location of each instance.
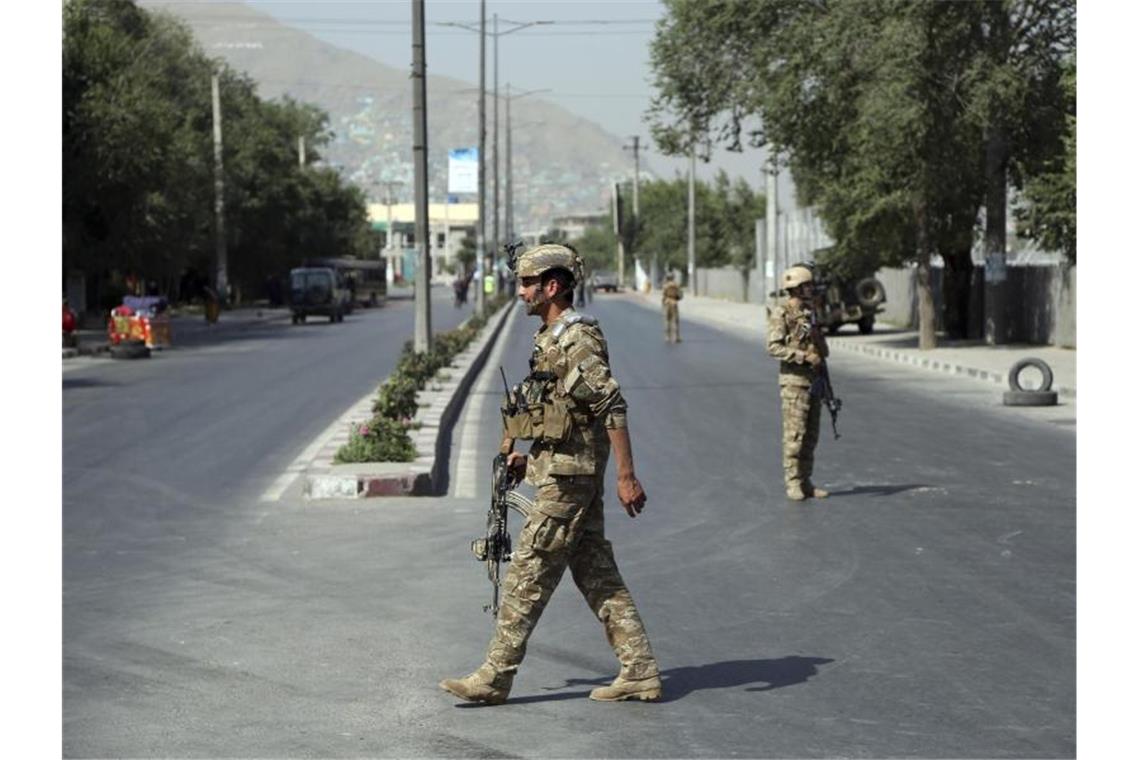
(397, 398)
(418, 366)
(450, 344)
(378, 440)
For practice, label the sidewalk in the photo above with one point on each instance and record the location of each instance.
(972, 359)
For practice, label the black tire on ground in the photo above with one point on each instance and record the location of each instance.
(833, 328)
(1040, 365)
(303, 318)
(134, 349)
(1029, 398)
(870, 292)
(867, 324)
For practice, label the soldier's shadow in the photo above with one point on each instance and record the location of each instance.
(883, 490)
(754, 675)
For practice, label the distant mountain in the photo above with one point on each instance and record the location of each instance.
(564, 166)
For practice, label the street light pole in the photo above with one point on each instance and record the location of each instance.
(495, 151)
(489, 256)
(636, 208)
(510, 210)
(481, 237)
(422, 337)
(693, 220)
(221, 280)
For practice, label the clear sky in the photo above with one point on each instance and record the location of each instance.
(594, 58)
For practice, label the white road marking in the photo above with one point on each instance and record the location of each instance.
(467, 467)
(305, 458)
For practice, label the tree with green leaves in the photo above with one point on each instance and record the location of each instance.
(1050, 214)
(138, 159)
(884, 110)
(726, 213)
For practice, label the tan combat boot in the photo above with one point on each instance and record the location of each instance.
(815, 491)
(796, 492)
(645, 689)
(484, 685)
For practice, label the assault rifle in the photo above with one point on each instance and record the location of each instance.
(495, 547)
(513, 249)
(821, 386)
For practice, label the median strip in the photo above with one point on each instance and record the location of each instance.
(439, 404)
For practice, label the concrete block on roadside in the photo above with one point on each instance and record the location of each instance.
(326, 486)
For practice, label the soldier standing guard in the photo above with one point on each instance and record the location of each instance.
(576, 414)
(670, 295)
(797, 342)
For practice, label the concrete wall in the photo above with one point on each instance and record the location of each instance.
(726, 283)
(1042, 300)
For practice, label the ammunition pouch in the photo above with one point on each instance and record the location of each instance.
(538, 414)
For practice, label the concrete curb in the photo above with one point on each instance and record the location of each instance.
(934, 364)
(439, 406)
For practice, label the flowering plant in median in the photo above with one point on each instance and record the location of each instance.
(385, 437)
(378, 440)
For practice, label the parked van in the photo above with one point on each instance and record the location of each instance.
(319, 291)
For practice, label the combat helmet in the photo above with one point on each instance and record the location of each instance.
(795, 276)
(534, 261)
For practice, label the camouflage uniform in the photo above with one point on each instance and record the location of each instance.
(566, 465)
(790, 336)
(670, 295)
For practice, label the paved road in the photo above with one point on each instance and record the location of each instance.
(159, 458)
(926, 609)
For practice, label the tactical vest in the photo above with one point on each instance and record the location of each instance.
(539, 408)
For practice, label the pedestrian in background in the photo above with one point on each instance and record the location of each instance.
(796, 340)
(670, 296)
(583, 414)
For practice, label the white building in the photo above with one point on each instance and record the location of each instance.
(448, 224)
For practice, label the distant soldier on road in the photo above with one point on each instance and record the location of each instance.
(798, 343)
(670, 295)
(576, 414)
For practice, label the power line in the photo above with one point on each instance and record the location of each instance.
(380, 33)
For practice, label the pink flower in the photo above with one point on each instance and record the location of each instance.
(364, 430)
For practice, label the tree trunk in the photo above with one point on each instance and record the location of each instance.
(956, 275)
(997, 158)
(926, 334)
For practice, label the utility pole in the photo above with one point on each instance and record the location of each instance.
(509, 220)
(771, 215)
(221, 281)
(636, 207)
(693, 220)
(481, 237)
(301, 150)
(617, 233)
(495, 242)
(422, 342)
(487, 257)
(388, 201)
(510, 204)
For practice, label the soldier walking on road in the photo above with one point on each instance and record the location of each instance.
(580, 415)
(798, 343)
(670, 295)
